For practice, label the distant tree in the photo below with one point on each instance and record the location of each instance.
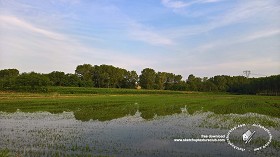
(221, 83)
(8, 73)
(174, 82)
(7, 78)
(265, 85)
(194, 83)
(170, 80)
(72, 80)
(177, 78)
(32, 82)
(84, 72)
(147, 78)
(130, 79)
(108, 76)
(238, 84)
(160, 80)
(191, 78)
(57, 78)
(209, 86)
(178, 83)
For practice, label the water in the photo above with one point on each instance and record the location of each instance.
(46, 134)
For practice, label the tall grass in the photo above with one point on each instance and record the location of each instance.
(106, 104)
(91, 90)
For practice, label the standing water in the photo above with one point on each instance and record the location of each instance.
(46, 134)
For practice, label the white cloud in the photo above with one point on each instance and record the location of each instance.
(261, 34)
(11, 20)
(35, 45)
(29, 48)
(248, 11)
(138, 31)
(248, 37)
(176, 4)
(148, 36)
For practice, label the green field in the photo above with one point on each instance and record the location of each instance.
(65, 134)
(106, 104)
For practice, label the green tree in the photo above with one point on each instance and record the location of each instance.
(221, 83)
(160, 80)
(130, 79)
(147, 78)
(85, 73)
(170, 80)
(7, 78)
(8, 73)
(194, 83)
(72, 80)
(209, 86)
(178, 78)
(32, 82)
(57, 78)
(108, 76)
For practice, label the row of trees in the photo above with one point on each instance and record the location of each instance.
(108, 76)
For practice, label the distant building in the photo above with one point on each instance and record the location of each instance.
(138, 87)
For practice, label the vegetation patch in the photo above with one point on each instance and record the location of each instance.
(107, 104)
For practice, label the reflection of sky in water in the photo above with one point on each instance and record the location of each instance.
(127, 136)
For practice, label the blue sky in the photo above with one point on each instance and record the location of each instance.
(200, 37)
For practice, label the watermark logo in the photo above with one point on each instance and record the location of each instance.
(242, 137)
(259, 135)
(247, 136)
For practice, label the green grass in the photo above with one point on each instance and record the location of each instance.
(107, 104)
(90, 90)
(5, 153)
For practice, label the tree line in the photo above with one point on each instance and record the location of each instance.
(108, 76)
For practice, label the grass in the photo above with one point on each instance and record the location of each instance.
(5, 153)
(90, 90)
(106, 104)
(229, 121)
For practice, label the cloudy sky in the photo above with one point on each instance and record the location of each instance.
(200, 37)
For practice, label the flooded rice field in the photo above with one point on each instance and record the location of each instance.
(46, 134)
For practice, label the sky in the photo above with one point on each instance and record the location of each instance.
(200, 37)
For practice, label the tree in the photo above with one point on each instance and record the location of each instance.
(221, 83)
(7, 78)
(177, 78)
(147, 78)
(84, 72)
(160, 80)
(57, 78)
(8, 73)
(72, 80)
(130, 79)
(169, 81)
(108, 76)
(32, 82)
(209, 86)
(194, 83)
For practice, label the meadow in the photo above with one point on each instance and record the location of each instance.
(72, 121)
(107, 104)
